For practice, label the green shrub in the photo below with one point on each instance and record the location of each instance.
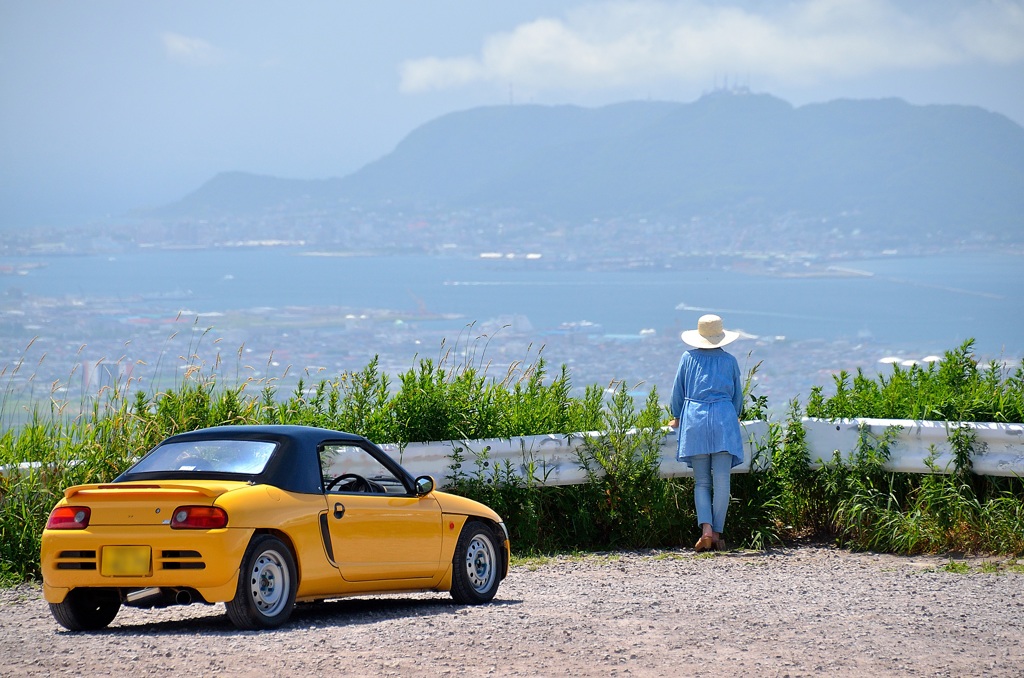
(913, 513)
(624, 504)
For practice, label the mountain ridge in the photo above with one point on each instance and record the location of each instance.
(941, 168)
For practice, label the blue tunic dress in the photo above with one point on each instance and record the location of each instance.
(707, 398)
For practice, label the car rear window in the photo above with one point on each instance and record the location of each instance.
(218, 456)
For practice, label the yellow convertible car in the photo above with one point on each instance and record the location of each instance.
(258, 517)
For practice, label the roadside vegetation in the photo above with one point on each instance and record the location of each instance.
(623, 505)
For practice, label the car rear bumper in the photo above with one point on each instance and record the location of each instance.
(204, 560)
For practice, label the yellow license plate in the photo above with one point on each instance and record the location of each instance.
(125, 561)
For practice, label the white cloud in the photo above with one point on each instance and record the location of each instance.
(803, 42)
(192, 51)
(992, 32)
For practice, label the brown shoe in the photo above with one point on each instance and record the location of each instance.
(720, 545)
(704, 544)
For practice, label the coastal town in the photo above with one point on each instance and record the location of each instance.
(68, 347)
(70, 350)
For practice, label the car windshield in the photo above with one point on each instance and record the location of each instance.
(218, 456)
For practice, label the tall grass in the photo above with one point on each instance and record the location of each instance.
(624, 504)
(955, 389)
(913, 513)
(93, 440)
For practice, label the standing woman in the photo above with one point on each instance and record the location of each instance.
(707, 399)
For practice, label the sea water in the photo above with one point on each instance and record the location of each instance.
(927, 301)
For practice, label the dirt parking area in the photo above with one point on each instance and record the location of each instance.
(803, 611)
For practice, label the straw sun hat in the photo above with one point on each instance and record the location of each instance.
(709, 333)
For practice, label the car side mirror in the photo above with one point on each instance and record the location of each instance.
(424, 485)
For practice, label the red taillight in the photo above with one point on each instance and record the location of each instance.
(69, 518)
(199, 518)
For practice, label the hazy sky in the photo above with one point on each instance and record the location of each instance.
(108, 105)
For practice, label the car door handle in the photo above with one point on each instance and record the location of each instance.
(339, 510)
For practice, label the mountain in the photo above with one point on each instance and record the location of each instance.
(886, 162)
(240, 193)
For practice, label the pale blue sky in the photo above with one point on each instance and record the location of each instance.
(109, 105)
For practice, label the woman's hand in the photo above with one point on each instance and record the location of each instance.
(674, 422)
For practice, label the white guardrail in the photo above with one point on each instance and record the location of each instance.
(999, 450)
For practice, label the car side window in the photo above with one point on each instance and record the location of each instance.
(349, 468)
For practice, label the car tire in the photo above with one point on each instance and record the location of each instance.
(476, 566)
(266, 585)
(87, 609)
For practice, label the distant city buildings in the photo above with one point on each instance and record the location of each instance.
(74, 347)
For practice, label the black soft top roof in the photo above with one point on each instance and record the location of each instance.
(305, 434)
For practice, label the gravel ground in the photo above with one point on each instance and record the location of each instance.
(807, 610)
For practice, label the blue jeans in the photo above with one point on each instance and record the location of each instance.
(711, 488)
